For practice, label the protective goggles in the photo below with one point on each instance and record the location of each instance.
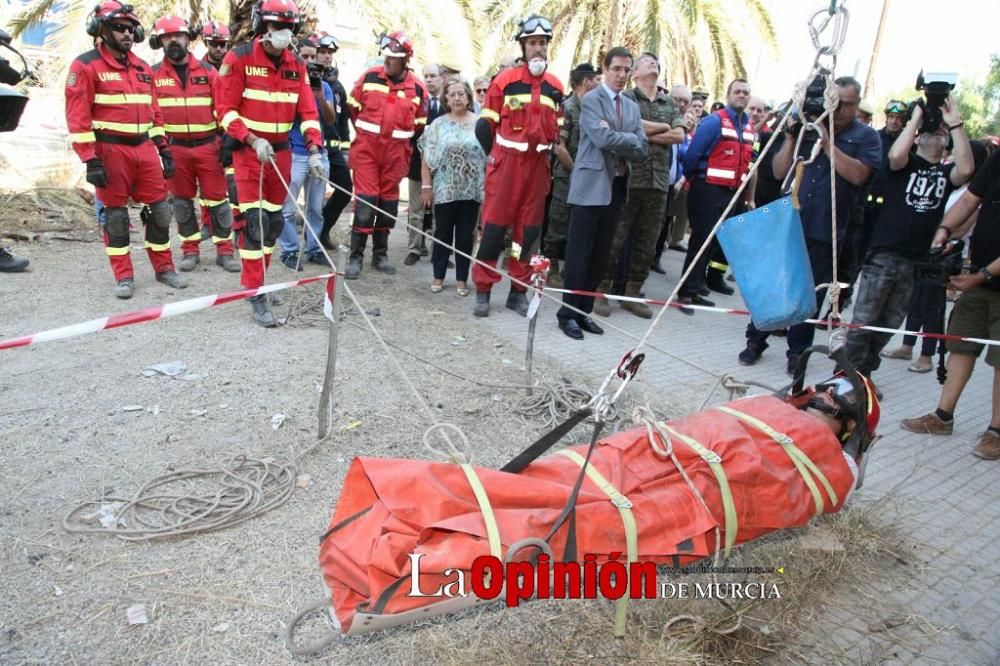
(895, 106)
(327, 42)
(532, 24)
(843, 392)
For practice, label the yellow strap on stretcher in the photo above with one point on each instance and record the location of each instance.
(799, 459)
(715, 464)
(624, 506)
(492, 532)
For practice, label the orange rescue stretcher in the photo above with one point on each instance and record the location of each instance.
(759, 463)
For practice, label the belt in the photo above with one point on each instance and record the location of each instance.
(523, 146)
(277, 145)
(122, 139)
(375, 129)
(192, 143)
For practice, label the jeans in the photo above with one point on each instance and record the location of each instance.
(454, 224)
(883, 299)
(315, 190)
(801, 336)
(927, 313)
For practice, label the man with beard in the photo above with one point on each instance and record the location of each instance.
(185, 92)
(111, 115)
(337, 135)
(216, 37)
(518, 126)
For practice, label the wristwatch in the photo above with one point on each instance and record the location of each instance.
(985, 272)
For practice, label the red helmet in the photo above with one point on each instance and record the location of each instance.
(277, 11)
(109, 10)
(168, 25)
(395, 45)
(845, 395)
(213, 31)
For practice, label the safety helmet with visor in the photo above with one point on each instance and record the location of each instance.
(395, 45)
(534, 26)
(105, 12)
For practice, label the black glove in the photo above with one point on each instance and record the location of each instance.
(168, 163)
(96, 175)
(226, 153)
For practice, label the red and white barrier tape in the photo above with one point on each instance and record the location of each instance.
(158, 312)
(738, 311)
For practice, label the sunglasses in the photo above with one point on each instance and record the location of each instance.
(218, 44)
(481, 90)
(123, 28)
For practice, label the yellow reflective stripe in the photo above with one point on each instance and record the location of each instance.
(801, 461)
(715, 464)
(189, 129)
(265, 204)
(489, 519)
(415, 100)
(490, 114)
(167, 102)
(559, 122)
(375, 86)
(269, 250)
(345, 144)
(217, 240)
(229, 118)
(308, 125)
(131, 128)
(101, 98)
(718, 266)
(271, 128)
(157, 247)
(353, 102)
(192, 237)
(117, 251)
(230, 171)
(157, 131)
(268, 96)
(624, 506)
(211, 203)
(251, 254)
(521, 99)
(420, 121)
(82, 137)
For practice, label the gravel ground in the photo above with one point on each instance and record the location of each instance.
(221, 597)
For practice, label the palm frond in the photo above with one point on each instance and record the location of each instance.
(32, 16)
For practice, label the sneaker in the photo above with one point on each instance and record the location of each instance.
(188, 262)
(791, 364)
(172, 279)
(290, 260)
(124, 288)
(988, 446)
(11, 264)
(317, 258)
(750, 355)
(928, 424)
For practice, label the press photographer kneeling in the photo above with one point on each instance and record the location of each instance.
(917, 185)
(977, 312)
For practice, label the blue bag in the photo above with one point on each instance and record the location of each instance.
(767, 253)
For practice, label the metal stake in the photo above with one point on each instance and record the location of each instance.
(528, 354)
(326, 397)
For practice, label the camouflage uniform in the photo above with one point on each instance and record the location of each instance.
(648, 188)
(569, 134)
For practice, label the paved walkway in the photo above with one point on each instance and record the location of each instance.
(942, 498)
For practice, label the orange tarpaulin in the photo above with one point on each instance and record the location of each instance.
(390, 508)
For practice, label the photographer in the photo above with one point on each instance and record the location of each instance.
(917, 185)
(10, 263)
(857, 152)
(315, 189)
(977, 312)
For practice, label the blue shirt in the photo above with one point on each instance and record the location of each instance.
(298, 143)
(705, 137)
(858, 141)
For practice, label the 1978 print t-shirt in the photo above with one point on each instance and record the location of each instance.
(914, 205)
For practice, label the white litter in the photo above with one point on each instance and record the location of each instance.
(136, 614)
(170, 369)
(277, 420)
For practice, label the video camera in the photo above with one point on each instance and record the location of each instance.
(815, 99)
(936, 87)
(316, 73)
(940, 266)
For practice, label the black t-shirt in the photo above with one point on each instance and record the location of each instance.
(768, 187)
(879, 176)
(914, 205)
(986, 235)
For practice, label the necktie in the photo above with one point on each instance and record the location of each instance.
(434, 106)
(620, 169)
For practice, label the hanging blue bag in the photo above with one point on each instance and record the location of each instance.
(767, 253)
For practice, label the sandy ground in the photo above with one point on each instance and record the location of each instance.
(222, 597)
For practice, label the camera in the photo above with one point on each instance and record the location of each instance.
(812, 105)
(316, 72)
(939, 267)
(936, 87)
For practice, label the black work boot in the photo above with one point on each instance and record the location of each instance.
(518, 302)
(358, 242)
(380, 253)
(261, 311)
(715, 280)
(482, 307)
(10, 263)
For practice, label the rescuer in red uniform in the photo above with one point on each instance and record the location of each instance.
(216, 37)
(517, 127)
(388, 106)
(185, 92)
(263, 88)
(112, 114)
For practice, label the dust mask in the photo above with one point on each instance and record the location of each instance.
(536, 66)
(280, 39)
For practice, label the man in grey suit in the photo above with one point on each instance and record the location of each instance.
(611, 136)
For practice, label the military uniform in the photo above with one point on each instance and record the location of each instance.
(648, 189)
(569, 135)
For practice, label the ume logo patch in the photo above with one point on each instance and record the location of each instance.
(255, 71)
(165, 83)
(109, 76)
